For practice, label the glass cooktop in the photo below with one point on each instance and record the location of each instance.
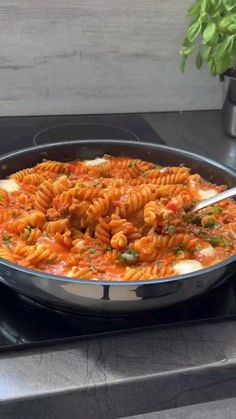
(20, 132)
(24, 323)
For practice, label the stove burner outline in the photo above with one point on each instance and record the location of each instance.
(125, 130)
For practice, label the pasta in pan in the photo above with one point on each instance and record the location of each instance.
(113, 218)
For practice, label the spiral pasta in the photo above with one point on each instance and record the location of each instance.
(51, 166)
(19, 176)
(3, 198)
(103, 230)
(135, 200)
(113, 218)
(33, 179)
(44, 196)
(119, 241)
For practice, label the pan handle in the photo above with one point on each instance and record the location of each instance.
(158, 290)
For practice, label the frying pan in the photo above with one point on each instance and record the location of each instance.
(108, 297)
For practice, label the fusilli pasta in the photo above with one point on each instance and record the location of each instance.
(114, 218)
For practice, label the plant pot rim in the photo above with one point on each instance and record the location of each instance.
(231, 72)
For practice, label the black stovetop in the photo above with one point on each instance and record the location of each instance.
(20, 132)
(25, 323)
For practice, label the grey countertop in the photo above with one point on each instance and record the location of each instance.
(141, 372)
(222, 409)
(198, 131)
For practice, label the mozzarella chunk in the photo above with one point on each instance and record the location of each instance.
(186, 266)
(207, 194)
(192, 183)
(207, 251)
(80, 245)
(95, 162)
(233, 235)
(9, 185)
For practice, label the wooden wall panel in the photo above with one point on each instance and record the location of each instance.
(97, 56)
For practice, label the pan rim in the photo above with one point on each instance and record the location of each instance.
(63, 279)
(176, 150)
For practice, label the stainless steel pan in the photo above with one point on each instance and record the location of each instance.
(99, 297)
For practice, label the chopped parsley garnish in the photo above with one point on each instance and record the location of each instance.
(26, 233)
(209, 212)
(93, 251)
(86, 248)
(198, 248)
(218, 209)
(179, 250)
(196, 220)
(170, 229)
(132, 164)
(182, 246)
(6, 239)
(128, 256)
(219, 241)
(211, 223)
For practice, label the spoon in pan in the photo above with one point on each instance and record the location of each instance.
(214, 199)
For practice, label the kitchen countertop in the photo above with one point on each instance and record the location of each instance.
(198, 131)
(141, 372)
(222, 409)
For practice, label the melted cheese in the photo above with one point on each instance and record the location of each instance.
(80, 245)
(186, 266)
(207, 251)
(95, 162)
(9, 185)
(233, 235)
(207, 194)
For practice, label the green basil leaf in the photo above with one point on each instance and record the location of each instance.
(207, 52)
(224, 47)
(186, 42)
(232, 28)
(183, 64)
(209, 33)
(199, 60)
(212, 67)
(195, 9)
(223, 64)
(224, 24)
(204, 5)
(193, 31)
(229, 5)
(186, 51)
(216, 4)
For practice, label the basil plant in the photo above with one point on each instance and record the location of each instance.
(211, 36)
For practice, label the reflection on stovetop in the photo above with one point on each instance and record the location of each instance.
(24, 322)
